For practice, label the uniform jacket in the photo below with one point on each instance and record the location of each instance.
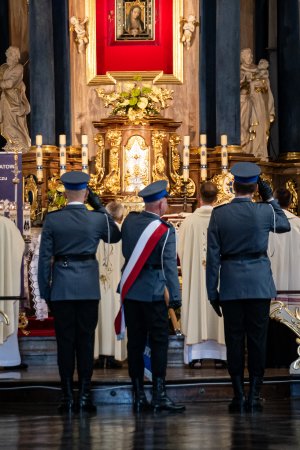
(73, 230)
(241, 229)
(160, 270)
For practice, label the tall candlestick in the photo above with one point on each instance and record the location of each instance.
(39, 157)
(203, 157)
(186, 158)
(62, 153)
(224, 153)
(84, 153)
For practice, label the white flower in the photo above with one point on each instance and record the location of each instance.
(142, 103)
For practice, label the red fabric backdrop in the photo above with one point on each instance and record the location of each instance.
(123, 56)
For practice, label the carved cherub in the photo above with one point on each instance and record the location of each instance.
(78, 27)
(189, 26)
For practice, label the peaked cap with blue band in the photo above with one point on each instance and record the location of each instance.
(154, 191)
(245, 172)
(75, 180)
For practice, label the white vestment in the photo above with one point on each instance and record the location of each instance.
(11, 252)
(110, 260)
(284, 254)
(203, 329)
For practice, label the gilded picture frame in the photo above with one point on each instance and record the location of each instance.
(134, 20)
(111, 77)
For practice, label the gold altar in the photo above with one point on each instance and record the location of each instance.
(131, 155)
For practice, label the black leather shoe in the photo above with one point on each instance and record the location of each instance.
(85, 401)
(140, 402)
(238, 402)
(67, 402)
(195, 364)
(100, 362)
(254, 400)
(21, 366)
(112, 363)
(160, 400)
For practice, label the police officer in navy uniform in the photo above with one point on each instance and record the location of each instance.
(68, 277)
(239, 277)
(146, 311)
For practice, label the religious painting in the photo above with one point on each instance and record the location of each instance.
(134, 38)
(134, 20)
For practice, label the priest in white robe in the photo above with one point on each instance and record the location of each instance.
(284, 254)
(11, 252)
(108, 351)
(202, 328)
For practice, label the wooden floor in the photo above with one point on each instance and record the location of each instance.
(201, 426)
(29, 417)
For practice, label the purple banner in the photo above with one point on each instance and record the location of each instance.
(7, 187)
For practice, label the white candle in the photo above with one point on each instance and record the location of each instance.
(62, 139)
(186, 140)
(38, 139)
(203, 157)
(62, 153)
(186, 158)
(223, 139)
(84, 153)
(39, 157)
(26, 220)
(202, 139)
(224, 153)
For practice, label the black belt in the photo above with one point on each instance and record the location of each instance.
(71, 258)
(242, 256)
(153, 266)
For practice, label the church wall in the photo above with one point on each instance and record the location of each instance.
(86, 107)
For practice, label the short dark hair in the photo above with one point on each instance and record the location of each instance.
(208, 192)
(244, 188)
(283, 196)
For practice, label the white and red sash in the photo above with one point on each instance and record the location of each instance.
(141, 252)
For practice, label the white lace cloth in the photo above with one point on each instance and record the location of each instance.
(39, 304)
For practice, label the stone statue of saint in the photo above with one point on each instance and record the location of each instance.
(257, 105)
(14, 105)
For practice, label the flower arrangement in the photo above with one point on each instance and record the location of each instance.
(136, 100)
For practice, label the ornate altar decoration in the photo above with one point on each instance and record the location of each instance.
(136, 145)
(291, 318)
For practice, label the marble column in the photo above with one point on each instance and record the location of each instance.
(208, 71)
(42, 81)
(220, 71)
(288, 75)
(61, 43)
(228, 71)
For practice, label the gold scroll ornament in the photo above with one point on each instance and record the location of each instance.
(112, 183)
(177, 179)
(159, 165)
(280, 312)
(96, 179)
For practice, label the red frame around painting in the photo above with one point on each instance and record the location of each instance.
(154, 55)
(109, 59)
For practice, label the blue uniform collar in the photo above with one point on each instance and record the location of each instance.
(241, 199)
